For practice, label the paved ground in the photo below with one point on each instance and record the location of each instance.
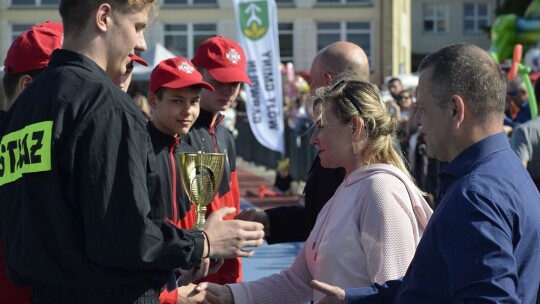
(268, 259)
(251, 177)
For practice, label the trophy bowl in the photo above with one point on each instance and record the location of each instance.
(201, 175)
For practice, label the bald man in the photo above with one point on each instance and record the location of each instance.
(339, 60)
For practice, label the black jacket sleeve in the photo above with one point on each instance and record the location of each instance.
(113, 158)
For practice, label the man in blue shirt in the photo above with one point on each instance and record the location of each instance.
(481, 243)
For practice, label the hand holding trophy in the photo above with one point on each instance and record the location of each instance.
(201, 176)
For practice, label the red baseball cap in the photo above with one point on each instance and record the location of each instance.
(138, 59)
(176, 73)
(223, 58)
(32, 49)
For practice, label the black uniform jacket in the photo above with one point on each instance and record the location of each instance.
(80, 194)
(167, 149)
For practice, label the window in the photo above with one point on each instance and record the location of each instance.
(18, 29)
(191, 2)
(46, 3)
(284, 2)
(183, 39)
(339, 2)
(476, 18)
(435, 18)
(356, 32)
(286, 41)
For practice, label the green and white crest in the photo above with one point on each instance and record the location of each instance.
(254, 19)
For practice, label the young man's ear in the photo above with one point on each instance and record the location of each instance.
(24, 82)
(104, 12)
(152, 100)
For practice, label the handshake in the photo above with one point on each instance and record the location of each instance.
(224, 239)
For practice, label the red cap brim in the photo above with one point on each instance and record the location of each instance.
(138, 59)
(228, 75)
(183, 83)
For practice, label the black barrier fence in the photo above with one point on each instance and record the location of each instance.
(297, 148)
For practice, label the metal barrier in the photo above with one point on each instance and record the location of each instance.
(297, 148)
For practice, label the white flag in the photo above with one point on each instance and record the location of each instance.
(258, 32)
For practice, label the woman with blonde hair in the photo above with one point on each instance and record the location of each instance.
(368, 231)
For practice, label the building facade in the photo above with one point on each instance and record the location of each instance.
(438, 23)
(381, 27)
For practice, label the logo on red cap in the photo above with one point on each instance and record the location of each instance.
(233, 56)
(186, 67)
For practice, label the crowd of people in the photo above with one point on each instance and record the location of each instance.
(92, 209)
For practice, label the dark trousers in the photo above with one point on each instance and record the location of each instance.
(60, 295)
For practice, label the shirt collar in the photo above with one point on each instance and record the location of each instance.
(467, 160)
(63, 56)
(159, 138)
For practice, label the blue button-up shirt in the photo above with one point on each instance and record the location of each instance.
(482, 242)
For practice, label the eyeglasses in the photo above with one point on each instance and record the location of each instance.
(512, 93)
(342, 85)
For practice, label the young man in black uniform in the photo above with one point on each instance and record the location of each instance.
(79, 182)
(222, 63)
(174, 96)
(26, 58)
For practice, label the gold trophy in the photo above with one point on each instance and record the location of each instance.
(201, 176)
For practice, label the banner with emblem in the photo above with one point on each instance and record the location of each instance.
(258, 35)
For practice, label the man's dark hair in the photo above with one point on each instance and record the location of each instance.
(10, 81)
(394, 79)
(468, 71)
(160, 92)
